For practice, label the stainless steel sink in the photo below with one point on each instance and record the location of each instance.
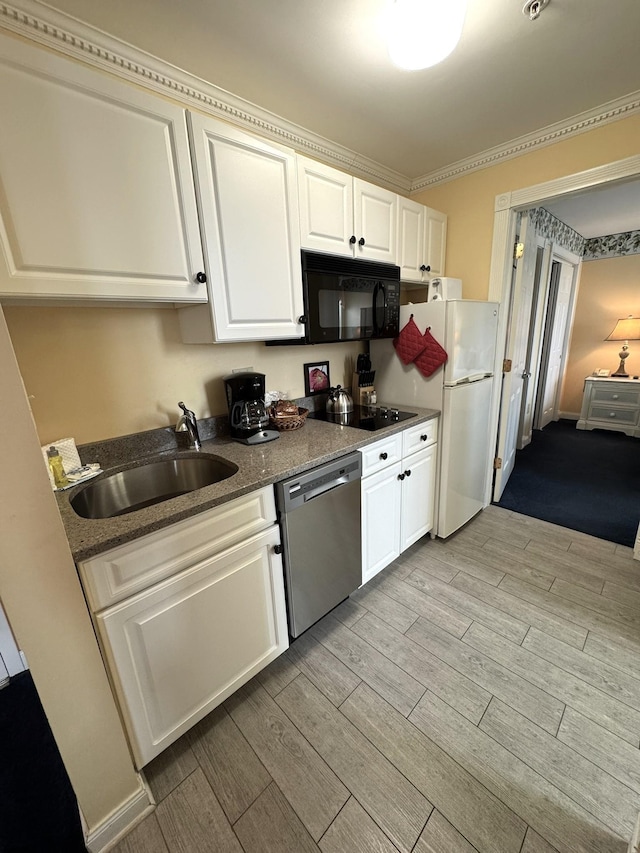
(151, 483)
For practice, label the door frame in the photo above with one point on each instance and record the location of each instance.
(507, 206)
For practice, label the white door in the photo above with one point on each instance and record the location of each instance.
(375, 222)
(326, 208)
(248, 202)
(465, 454)
(556, 348)
(516, 352)
(418, 486)
(177, 650)
(97, 196)
(470, 338)
(534, 348)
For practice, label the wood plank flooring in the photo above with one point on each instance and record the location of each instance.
(480, 695)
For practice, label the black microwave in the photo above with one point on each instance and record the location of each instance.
(349, 300)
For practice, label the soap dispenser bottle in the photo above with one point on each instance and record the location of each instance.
(57, 469)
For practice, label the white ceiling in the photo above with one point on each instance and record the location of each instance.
(611, 210)
(323, 65)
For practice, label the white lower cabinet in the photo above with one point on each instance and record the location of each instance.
(177, 649)
(380, 520)
(418, 487)
(398, 494)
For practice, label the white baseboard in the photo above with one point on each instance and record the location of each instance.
(120, 822)
(569, 416)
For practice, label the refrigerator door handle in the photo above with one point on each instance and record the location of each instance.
(466, 380)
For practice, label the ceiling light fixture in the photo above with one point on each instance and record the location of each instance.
(422, 33)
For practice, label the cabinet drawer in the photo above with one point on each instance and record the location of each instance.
(615, 395)
(385, 452)
(417, 437)
(117, 574)
(603, 413)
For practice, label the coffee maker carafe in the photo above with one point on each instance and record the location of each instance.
(248, 417)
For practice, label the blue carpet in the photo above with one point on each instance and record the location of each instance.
(38, 809)
(584, 480)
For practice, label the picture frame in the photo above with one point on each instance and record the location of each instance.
(316, 378)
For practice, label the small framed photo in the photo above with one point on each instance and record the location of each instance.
(316, 378)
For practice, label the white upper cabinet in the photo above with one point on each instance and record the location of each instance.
(344, 215)
(97, 196)
(326, 208)
(422, 236)
(435, 241)
(247, 198)
(375, 215)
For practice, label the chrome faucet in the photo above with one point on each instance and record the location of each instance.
(187, 423)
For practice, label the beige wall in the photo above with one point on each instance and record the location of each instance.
(469, 200)
(609, 290)
(41, 593)
(95, 373)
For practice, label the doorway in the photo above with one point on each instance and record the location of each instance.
(505, 290)
(540, 315)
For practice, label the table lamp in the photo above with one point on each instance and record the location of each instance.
(626, 329)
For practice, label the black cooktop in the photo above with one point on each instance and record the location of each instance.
(365, 417)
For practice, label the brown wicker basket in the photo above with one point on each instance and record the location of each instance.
(288, 422)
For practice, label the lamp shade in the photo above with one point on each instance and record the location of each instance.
(627, 329)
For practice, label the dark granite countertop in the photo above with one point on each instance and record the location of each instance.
(259, 465)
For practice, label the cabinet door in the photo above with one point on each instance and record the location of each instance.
(97, 194)
(375, 221)
(411, 233)
(435, 241)
(179, 649)
(326, 208)
(248, 203)
(380, 520)
(418, 494)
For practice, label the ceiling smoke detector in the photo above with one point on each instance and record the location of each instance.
(532, 8)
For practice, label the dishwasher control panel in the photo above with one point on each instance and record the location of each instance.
(299, 490)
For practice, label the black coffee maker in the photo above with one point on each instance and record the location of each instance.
(248, 417)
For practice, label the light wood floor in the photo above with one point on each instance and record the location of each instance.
(480, 694)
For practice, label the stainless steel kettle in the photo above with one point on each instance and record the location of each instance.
(339, 401)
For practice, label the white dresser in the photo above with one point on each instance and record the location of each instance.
(611, 404)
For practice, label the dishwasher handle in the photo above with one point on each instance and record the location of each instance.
(325, 487)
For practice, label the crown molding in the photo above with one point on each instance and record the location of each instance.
(581, 123)
(41, 23)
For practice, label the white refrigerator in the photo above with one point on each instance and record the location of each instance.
(461, 390)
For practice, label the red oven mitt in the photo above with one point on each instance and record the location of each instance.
(431, 357)
(410, 342)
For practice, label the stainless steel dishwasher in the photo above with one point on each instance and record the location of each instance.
(319, 514)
